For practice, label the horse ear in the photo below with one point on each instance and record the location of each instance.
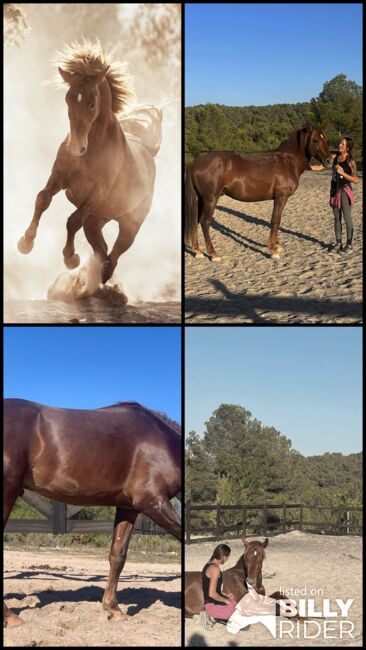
(265, 543)
(67, 76)
(98, 78)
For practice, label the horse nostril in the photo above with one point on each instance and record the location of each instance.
(83, 150)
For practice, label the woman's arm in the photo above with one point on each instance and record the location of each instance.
(316, 168)
(214, 573)
(348, 177)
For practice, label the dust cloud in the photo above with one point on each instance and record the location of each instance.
(147, 38)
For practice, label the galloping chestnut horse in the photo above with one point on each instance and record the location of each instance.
(248, 568)
(106, 168)
(270, 176)
(122, 455)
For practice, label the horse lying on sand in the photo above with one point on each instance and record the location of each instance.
(121, 455)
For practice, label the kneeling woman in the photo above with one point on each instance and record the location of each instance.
(217, 604)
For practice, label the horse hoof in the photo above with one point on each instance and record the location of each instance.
(276, 256)
(72, 262)
(25, 245)
(107, 271)
(280, 248)
(216, 258)
(199, 254)
(117, 615)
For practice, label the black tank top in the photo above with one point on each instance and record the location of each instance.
(341, 182)
(206, 586)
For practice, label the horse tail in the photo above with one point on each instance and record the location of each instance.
(191, 208)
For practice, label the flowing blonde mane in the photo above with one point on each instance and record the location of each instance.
(86, 59)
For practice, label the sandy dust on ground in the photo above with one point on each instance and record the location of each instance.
(58, 595)
(293, 560)
(307, 285)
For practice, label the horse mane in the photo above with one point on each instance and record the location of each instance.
(155, 414)
(86, 59)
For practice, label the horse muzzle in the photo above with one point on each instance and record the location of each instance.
(77, 147)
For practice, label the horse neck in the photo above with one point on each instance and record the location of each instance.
(240, 566)
(296, 145)
(106, 115)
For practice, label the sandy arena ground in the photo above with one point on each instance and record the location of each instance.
(293, 560)
(307, 285)
(58, 595)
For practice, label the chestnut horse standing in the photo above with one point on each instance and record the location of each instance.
(270, 176)
(122, 455)
(106, 167)
(248, 568)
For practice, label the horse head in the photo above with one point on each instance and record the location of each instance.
(315, 144)
(84, 101)
(254, 555)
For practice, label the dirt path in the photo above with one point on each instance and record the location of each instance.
(58, 595)
(307, 285)
(293, 560)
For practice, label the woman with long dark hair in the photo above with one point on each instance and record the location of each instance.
(217, 604)
(344, 172)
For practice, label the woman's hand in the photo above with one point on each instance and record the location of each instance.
(340, 170)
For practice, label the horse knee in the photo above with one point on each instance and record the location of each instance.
(43, 200)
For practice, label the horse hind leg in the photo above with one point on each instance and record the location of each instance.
(11, 494)
(163, 514)
(123, 526)
(207, 213)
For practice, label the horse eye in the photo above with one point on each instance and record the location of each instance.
(92, 105)
(316, 141)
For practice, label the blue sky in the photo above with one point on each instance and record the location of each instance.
(89, 367)
(259, 54)
(305, 382)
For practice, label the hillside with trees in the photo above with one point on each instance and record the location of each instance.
(252, 129)
(239, 460)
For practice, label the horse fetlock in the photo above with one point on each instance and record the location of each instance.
(25, 244)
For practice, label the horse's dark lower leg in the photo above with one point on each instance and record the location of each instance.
(163, 513)
(93, 232)
(43, 200)
(123, 526)
(273, 244)
(195, 245)
(207, 212)
(10, 496)
(123, 242)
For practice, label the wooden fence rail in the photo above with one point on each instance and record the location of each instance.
(58, 520)
(264, 523)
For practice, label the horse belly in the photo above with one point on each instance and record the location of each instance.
(249, 189)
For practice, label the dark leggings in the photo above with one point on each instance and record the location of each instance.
(346, 212)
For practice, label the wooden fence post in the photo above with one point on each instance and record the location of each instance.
(244, 522)
(265, 520)
(59, 518)
(284, 518)
(301, 516)
(188, 522)
(218, 521)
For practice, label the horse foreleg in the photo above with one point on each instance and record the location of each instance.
(207, 213)
(123, 526)
(273, 244)
(43, 200)
(10, 496)
(93, 232)
(75, 222)
(125, 239)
